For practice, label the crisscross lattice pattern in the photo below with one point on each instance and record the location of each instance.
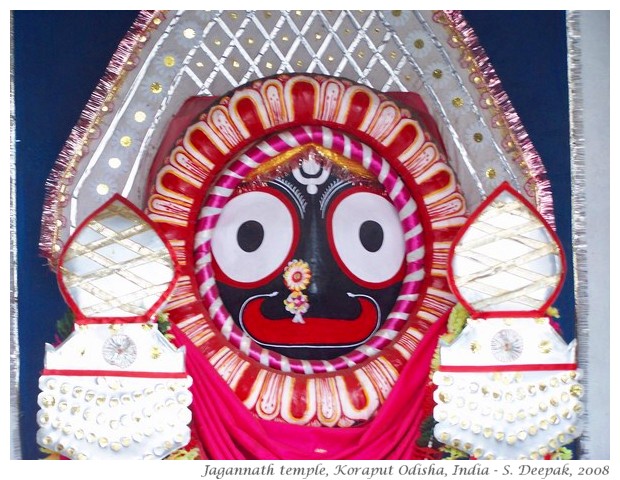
(507, 260)
(358, 45)
(117, 265)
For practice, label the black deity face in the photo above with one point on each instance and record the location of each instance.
(309, 259)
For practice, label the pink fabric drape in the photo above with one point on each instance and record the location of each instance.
(228, 431)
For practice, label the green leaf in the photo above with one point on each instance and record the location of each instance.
(65, 325)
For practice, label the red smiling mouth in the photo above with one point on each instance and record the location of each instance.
(315, 332)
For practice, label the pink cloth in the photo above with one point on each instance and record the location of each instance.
(228, 431)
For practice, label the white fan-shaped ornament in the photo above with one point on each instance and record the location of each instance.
(115, 388)
(507, 259)
(508, 385)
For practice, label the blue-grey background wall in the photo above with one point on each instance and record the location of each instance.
(59, 57)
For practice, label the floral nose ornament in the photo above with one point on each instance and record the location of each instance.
(297, 276)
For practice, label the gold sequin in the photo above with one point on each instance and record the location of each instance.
(437, 73)
(236, 64)
(169, 61)
(458, 102)
(478, 137)
(114, 162)
(393, 55)
(189, 33)
(125, 141)
(475, 347)
(285, 38)
(545, 346)
(156, 87)
(419, 43)
(490, 173)
(330, 58)
(155, 353)
(250, 41)
(269, 65)
(217, 42)
(267, 14)
(139, 116)
(397, 13)
(299, 63)
(233, 15)
(157, 21)
(576, 390)
(102, 189)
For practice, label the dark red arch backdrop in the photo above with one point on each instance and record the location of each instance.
(60, 56)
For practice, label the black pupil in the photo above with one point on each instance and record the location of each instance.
(250, 236)
(371, 235)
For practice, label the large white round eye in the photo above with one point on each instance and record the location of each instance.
(366, 237)
(253, 237)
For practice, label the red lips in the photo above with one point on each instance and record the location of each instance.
(315, 331)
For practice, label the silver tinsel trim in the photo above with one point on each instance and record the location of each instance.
(578, 203)
(16, 451)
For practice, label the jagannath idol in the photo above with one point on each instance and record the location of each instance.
(305, 239)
